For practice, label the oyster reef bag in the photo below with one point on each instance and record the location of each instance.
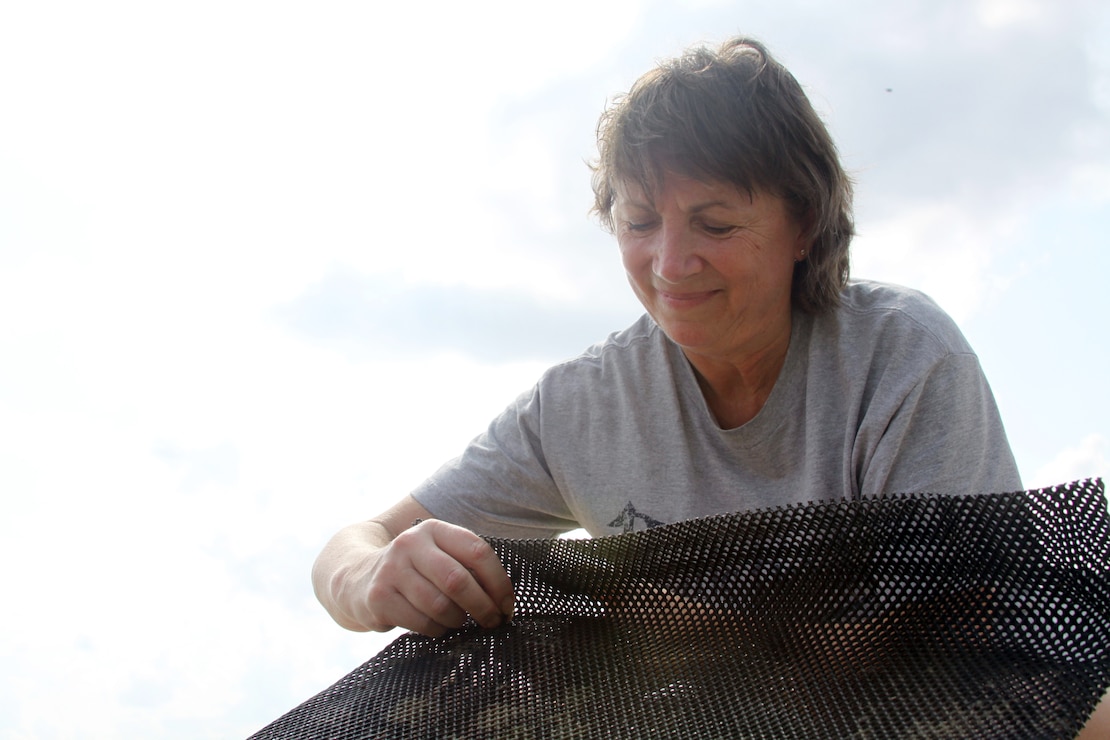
(983, 616)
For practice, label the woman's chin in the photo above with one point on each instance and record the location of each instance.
(686, 336)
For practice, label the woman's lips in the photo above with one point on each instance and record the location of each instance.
(685, 299)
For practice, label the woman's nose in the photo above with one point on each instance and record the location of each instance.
(675, 257)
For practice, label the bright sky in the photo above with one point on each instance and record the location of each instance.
(264, 266)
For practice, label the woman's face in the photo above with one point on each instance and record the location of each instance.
(712, 264)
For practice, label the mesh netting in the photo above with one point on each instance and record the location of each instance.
(909, 616)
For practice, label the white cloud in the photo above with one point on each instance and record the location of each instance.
(940, 248)
(1089, 458)
(994, 13)
(160, 570)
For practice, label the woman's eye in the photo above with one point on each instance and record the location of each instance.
(638, 226)
(717, 230)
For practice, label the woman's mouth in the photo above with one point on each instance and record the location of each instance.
(685, 299)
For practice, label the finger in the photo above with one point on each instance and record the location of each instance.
(482, 563)
(437, 610)
(412, 616)
(459, 564)
(456, 584)
(410, 601)
(486, 568)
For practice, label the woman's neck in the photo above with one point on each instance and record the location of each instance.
(735, 389)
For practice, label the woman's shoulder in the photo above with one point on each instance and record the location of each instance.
(896, 313)
(864, 296)
(642, 337)
(641, 351)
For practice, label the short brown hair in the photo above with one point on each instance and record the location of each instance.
(734, 115)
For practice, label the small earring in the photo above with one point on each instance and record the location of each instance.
(802, 257)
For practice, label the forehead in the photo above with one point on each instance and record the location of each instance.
(682, 189)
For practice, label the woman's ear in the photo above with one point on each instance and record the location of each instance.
(803, 245)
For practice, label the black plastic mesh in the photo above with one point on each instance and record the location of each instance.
(910, 616)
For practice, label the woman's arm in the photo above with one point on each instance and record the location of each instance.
(1098, 726)
(426, 577)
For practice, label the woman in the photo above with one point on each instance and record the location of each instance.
(759, 375)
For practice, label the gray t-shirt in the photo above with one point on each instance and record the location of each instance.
(882, 395)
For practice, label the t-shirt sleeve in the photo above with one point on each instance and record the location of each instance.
(946, 436)
(501, 485)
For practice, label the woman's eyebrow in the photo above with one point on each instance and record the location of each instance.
(627, 202)
(699, 207)
(696, 208)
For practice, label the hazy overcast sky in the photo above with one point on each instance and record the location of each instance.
(264, 266)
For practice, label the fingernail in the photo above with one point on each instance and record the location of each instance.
(508, 607)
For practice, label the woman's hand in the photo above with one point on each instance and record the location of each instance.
(427, 577)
